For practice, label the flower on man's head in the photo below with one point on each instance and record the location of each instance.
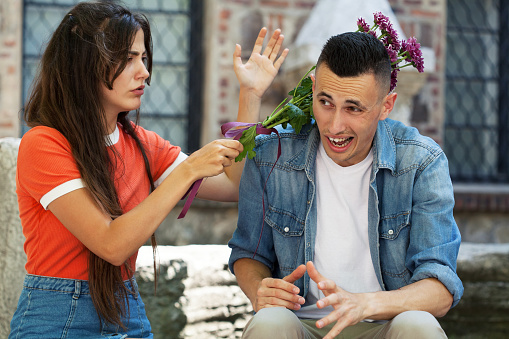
(413, 53)
(394, 79)
(408, 51)
(362, 25)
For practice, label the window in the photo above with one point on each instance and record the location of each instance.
(476, 136)
(171, 106)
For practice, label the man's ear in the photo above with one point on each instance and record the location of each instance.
(388, 105)
(313, 79)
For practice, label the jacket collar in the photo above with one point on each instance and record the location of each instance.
(384, 149)
(305, 158)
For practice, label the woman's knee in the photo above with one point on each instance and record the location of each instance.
(416, 325)
(269, 321)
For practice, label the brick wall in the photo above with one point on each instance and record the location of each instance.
(10, 66)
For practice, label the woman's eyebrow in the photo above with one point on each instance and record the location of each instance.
(136, 53)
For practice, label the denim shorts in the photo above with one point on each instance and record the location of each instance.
(62, 308)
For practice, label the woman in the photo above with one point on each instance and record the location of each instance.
(93, 187)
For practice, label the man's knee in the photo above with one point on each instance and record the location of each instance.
(416, 325)
(274, 320)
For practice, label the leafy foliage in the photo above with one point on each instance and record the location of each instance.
(297, 112)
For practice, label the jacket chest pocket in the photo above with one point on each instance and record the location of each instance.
(287, 234)
(392, 225)
(284, 222)
(394, 232)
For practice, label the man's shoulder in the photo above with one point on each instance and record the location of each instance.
(406, 136)
(287, 136)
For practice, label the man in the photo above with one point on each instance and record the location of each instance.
(357, 234)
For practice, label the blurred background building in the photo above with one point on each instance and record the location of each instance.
(461, 101)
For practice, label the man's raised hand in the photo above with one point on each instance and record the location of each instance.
(259, 71)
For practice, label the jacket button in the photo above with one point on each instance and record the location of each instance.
(391, 232)
(287, 229)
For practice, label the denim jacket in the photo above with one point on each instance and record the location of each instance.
(412, 232)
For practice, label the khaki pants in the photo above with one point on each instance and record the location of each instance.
(279, 322)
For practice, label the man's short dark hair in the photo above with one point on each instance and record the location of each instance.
(355, 53)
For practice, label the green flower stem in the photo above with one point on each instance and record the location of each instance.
(275, 116)
(400, 67)
(278, 122)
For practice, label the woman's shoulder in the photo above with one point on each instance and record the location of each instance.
(41, 136)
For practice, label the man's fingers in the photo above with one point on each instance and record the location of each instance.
(277, 292)
(259, 41)
(281, 59)
(272, 43)
(280, 284)
(237, 60)
(280, 294)
(313, 272)
(296, 274)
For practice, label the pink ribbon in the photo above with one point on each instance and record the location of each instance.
(229, 129)
(191, 194)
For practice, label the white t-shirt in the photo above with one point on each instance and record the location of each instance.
(342, 251)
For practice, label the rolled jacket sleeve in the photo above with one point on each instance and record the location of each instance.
(434, 236)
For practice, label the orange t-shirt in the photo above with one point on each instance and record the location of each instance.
(47, 170)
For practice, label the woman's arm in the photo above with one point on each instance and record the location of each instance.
(116, 240)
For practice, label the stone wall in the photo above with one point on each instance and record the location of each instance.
(12, 256)
(211, 304)
(483, 312)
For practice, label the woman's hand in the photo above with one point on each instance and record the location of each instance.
(259, 71)
(211, 159)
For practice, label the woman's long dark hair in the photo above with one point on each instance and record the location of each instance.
(89, 49)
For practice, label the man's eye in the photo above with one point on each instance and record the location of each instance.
(354, 109)
(325, 102)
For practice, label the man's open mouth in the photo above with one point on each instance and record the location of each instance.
(340, 142)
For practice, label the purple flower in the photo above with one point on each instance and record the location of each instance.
(381, 20)
(362, 25)
(411, 50)
(398, 51)
(391, 37)
(394, 79)
(392, 54)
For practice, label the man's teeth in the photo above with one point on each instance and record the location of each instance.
(340, 142)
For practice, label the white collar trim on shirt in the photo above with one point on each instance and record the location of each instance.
(112, 138)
